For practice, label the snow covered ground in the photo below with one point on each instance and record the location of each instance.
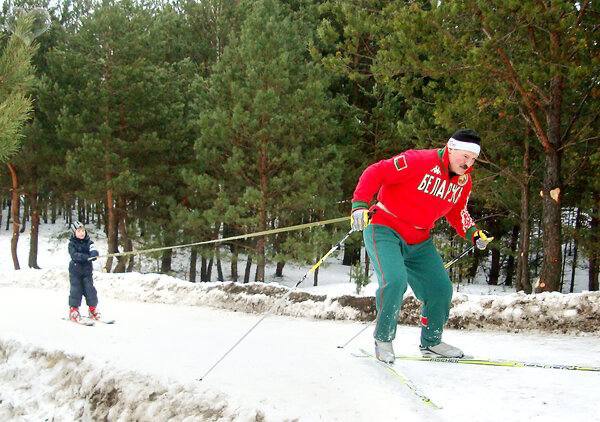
(169, 333)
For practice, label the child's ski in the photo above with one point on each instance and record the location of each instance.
(80, 322)
(102, 320)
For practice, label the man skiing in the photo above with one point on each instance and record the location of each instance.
(414, 189)
(81, 249)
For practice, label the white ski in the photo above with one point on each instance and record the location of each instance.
(401, 377)
(80, 322)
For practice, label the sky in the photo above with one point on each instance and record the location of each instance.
(169, 332)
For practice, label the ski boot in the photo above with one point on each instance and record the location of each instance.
(384, 351)
(74, 314)
(442, 350)
(94, 315)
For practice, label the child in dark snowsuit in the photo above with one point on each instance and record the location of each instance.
(81, 249)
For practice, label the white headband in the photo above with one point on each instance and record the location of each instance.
(465, 146)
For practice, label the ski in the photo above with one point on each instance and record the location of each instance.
(102, 320)
(496, 362)
(499, 362)
(80, 322)
(401, 377)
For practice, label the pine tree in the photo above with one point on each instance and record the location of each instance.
(534, 64)
(40, 151)
(123, 115)
(16, 75)
(264, 123)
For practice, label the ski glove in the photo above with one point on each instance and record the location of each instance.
(481, 239)
(359, 219)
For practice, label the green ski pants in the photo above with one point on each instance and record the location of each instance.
(396, 263)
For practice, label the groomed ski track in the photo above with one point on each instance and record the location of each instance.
(146, 368)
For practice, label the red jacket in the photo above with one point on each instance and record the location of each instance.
(414, 190)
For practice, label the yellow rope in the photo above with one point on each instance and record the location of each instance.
(226, 239)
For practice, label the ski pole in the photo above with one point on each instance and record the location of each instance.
(465, 252)
(282, 299)
(446, 266)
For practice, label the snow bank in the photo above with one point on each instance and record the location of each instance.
(71, 388)
(159, 288)
(550, 312)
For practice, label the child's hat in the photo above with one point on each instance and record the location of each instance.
(76, 225)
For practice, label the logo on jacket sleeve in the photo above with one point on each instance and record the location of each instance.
(400, 162)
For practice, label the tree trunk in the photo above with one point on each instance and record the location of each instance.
(81, 211)
(8, 214)
(53, 212)
(279, 269)
(575, 247)
(121, 213)
(25, 214)
(209, 269)
(111, 228)
(564, 263)
(495, 267)
(14, 214)
(69, 213)
(594, 254)
(316, 276)
(551, 190)
(202, 267)
(247, 270)
(234, 262)
(131, 263)
(262, 210)
(523, 282)
(551, 233)
(91, 213)
(128, 245)
(220, 276)
(260, 261)
(367, 262)
(35, 226)
(510, 265)
(166, 261)
(99, 215)
(44, 211)
(351, 253)
(193, 260)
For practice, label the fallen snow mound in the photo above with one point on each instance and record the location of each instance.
(70, 388)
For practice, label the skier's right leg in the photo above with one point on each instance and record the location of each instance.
(430, 283)
(384, 247)
(75, 295)
(76, 292)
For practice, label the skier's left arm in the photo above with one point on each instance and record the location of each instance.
(461, 220)
(93, 252)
